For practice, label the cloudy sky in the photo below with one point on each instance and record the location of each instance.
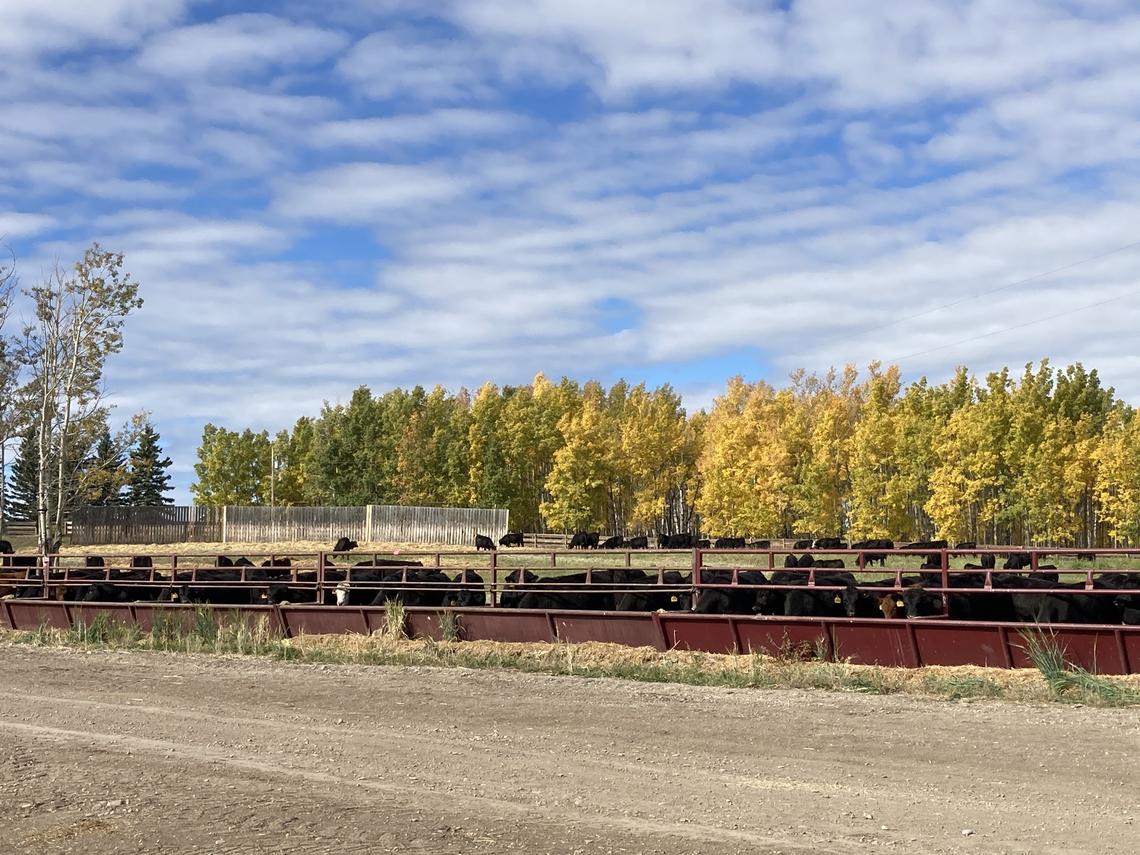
(318, 194)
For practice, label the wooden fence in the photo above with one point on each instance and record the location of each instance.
(167, 524)
(247, 524)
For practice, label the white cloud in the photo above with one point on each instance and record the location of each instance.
(365, 192)
(419, 128)
(34, 26)
(237, 43)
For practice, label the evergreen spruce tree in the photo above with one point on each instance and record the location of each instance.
(21, 498)
(106, 473)
(148, 480)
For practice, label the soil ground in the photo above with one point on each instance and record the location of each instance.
(117, 752)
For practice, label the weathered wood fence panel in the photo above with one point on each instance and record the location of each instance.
(263, 525)
(248, 524)
(166, 524)
(398, 524)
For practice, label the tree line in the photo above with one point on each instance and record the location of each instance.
(1047, 456)
(52, 397)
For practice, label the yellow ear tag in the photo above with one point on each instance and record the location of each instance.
(673, 598)
(838, 599)
(899, 603)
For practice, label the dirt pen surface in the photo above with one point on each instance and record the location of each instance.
(118, 752)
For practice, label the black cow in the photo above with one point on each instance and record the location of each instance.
(760, 544)
(676, 541)
(829, 543)
(831, 563)
(571, 591)
(1053, 608)
(989, 561)
(1017, 561)
(584, 540)
(6, 548)
(653, 599)
(966, 544)
(874, 557)
(732, 600)
(639, 542)
(515, 586)
(704, 543)
(932, 557)
(802, 544)
(615, 542)
(343, 544)
(142, 561)
(223, 561)
(412, 588)
(729, 543)
(484, 542)
(370, 572)
(511, 538)
(808, 602)
(470, 593)
(806, 560)
(1086, 556)
(769, 602)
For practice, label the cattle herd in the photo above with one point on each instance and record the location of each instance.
(1022, 589)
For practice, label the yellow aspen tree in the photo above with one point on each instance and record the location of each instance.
(577, 481)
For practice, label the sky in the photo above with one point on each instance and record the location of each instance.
(320, 194)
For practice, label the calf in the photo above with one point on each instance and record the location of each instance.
(760, 544)
(640, 542)
(484, 542)
(343, 544)
(615, 542)
(511, 538)
(802, 544)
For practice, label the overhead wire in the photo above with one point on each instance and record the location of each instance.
(992, 333)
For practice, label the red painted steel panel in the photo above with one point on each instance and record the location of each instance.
(29, 614)
(87, 614)
(5, 623)
(507, 625)
(875, 642)
(710, 633)
(958, 643)
(321, 620)
(424, 624)
(635, 629)
(1130, 641)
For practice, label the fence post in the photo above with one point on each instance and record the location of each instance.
(368, 524)
(224, 525)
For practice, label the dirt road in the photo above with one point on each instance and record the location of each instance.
(136, 752)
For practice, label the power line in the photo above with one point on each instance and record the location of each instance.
(987, 292)
(1013, 327)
